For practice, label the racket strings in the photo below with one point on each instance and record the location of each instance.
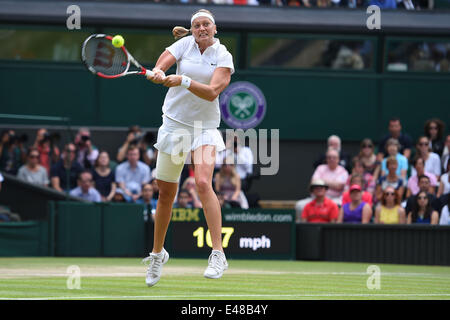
(101, 56)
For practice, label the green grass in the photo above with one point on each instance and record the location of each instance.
(123, 278)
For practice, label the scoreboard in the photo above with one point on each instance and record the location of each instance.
(249, 234)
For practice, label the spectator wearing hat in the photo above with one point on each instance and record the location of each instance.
(356, 211)
(334, 176)
(321, 209)
(390, 211)
(359, 180)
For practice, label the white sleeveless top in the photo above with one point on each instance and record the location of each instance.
(444, 180)
(182, 105)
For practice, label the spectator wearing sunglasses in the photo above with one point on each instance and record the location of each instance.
(424, 186)
(390, 211)
(64, 173)
(432, 160)
(422, 211)
(434, 131)
(368, 159)
(32, 171)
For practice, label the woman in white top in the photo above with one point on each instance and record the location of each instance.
(445, 214)
(191, 116)
(432, 160)
(444, 185)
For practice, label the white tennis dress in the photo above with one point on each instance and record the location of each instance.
(189, 121)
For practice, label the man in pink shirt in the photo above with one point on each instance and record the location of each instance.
(333, 175)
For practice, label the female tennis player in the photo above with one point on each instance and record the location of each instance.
(190, 113)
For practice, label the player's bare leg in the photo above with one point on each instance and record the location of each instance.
(204, 161)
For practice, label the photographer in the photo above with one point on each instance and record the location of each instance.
(12, 151)
(45, 143)
(87, 152)
(133, 133)
(144, 142)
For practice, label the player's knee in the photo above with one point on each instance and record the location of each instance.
(203, 185)
(166, 196)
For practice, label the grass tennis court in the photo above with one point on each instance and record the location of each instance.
(123, 278)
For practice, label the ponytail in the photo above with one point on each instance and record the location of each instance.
(179, 32)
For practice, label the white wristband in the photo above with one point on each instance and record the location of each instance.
(185, 81)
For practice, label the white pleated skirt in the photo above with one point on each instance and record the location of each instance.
(175, 137)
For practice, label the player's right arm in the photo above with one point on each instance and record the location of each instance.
(165, 61)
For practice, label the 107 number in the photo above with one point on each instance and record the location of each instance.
(199, 233)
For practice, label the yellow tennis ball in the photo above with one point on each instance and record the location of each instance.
(118, 41)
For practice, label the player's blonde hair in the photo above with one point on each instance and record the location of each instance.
(179, 32)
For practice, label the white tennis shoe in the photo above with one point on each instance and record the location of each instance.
(155, 263)
(217, 264)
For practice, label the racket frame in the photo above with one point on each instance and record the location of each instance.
(130, 59)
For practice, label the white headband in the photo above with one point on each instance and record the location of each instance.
(202, 14)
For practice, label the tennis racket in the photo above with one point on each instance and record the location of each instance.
(106, 61)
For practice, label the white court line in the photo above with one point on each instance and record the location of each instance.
(398, 295)
(134, 274)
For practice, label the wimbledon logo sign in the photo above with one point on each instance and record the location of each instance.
(242, 105)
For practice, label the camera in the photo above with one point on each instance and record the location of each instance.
(20, 139)
(52, 138)
(147, 138)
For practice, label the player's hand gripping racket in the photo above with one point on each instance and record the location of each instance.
(106, 61)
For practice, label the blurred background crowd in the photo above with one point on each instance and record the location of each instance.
(396, 180)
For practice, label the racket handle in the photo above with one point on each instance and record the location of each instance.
(149, 73)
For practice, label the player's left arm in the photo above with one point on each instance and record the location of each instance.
(219, 81)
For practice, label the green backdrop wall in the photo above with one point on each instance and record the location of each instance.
(303, 105)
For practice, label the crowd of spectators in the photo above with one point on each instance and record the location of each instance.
(380, 184)
(82, 170)
(387, 4)
(398, 182)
